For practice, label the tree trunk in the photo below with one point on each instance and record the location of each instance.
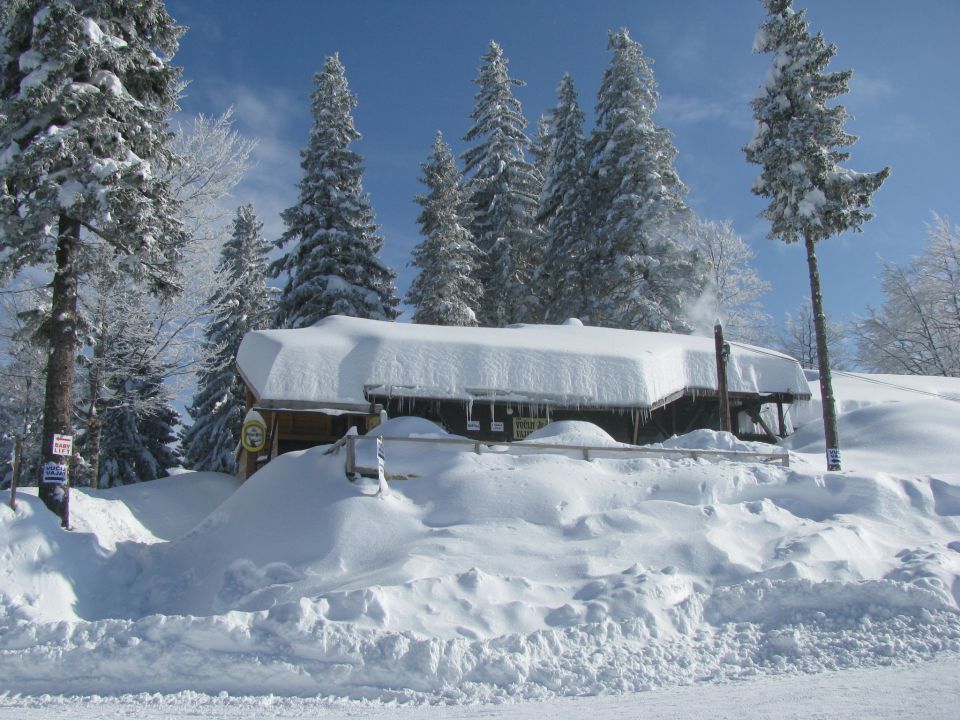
(830, 432)
(58, 398)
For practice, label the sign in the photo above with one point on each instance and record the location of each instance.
(496, 426)
(253, 435)
(63, 444)
(523, 426)
(54, 473)
(473, 426)
(833, 458)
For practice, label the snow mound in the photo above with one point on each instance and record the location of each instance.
(497, 575)
(713, 440)
(912, 436)
(573, 432)
(166, 508)
(409, 427)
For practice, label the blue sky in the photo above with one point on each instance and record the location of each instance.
(411, 63)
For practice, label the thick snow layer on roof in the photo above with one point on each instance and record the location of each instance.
(344, 360)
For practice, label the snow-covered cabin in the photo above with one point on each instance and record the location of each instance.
(312, 384)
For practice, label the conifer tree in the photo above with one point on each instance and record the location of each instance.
(799, 142)
(541, 148)
(642, 273)
(137, 421)
(86, 90)
(445, 292)
(505, 188)
(560, 281)
(137, 444)
(241, 302)
(332, 263)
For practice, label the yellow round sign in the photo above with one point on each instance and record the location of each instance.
(253, 435)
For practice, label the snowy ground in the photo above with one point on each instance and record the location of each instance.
(507, 577)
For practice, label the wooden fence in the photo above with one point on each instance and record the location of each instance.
(587, 452)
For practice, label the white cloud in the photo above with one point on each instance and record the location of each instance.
(689, 110)
(866, 89)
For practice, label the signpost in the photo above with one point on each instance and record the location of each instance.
(381, 470)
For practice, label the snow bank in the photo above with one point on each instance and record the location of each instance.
(497, 575)
(344, 360)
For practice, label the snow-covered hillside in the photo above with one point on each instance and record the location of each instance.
(501, 575)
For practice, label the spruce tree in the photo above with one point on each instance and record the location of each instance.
(505, 188)
(137, 418)
(445, 292)
(560, 282)
(541, 148)
(642, 274)
(332, 263)
(799, 142)
(137, 443)
(86, 90)
(241, 302)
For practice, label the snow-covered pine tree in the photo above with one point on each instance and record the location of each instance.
(799, 142)
(541, 147)
(559, 282)
(137, 446)
(445, 291)
(505, 188)
(86, 91)
(642, 275)
(332, 265)
(123, 374)
(21, 383)
(241, 302)
(137, 417)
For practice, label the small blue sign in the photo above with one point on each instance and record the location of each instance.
(54, 473)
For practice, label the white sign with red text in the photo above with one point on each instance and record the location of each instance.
(63, 444)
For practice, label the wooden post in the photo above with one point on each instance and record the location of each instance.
(350, 465)
(723, 351)
(780, 419)
(15, 479)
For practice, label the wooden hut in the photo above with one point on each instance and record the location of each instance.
(311, 385)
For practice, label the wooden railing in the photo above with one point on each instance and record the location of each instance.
(587, 452)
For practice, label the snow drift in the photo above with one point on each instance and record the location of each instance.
(505, 574)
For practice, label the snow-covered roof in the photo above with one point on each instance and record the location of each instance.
(342, 362)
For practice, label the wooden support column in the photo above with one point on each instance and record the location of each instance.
(723, 352)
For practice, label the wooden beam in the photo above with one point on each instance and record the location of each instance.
(754, 412)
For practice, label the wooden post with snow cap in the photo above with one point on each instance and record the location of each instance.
(381, 470)
(723, 352)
